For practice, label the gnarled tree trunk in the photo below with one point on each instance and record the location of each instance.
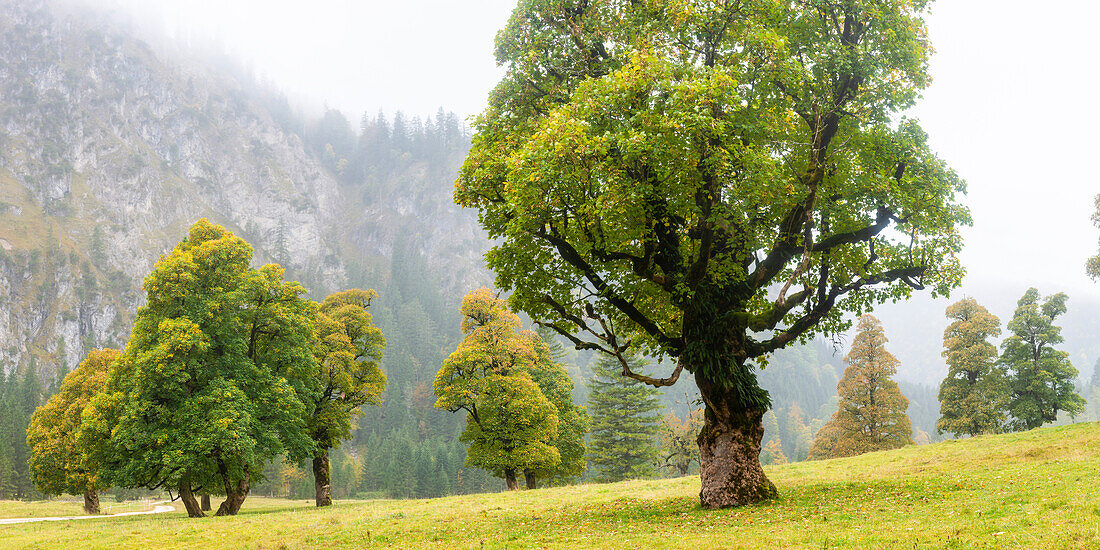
(189, 502)
(729, 450)
(91, 502)
(529, 477)
(322, 478)
(206, 502)
(510, 479)
(235, 494)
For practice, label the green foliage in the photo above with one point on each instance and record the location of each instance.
(678, 161)
(573, 421)
(871, 413)
(1040, 377)
(625, 422)
(211, 385)
(513, 427)
(518, 399)
(348, 352)
(60, 462)
(974, 395)
(20, 395)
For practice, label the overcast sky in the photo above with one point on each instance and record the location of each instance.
(1012, 106)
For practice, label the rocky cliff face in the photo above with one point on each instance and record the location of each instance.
(108, 152)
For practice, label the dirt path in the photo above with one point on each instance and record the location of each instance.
(160, 508)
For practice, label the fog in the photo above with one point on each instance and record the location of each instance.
(1008, 107)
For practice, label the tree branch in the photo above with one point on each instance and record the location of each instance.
(574, 258)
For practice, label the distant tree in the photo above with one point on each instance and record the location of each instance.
(974, 395)
(772, 452)
(1092, 267)
(1040, 377)
(678, 448)
(59, 462)
(24, 396)
(8, 431)
(625, 421)
(871, 411)
(348, 352)
(1091, 393)
(212, 382)
(510, 424)
(799, 434)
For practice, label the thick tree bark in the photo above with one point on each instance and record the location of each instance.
(205, 502)
(235, 494)
(729, 450)
(322, 478)
(189, 502)
(510, 479)
(529, 477)
(91, 502)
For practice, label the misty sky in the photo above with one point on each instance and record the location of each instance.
(1011, 106)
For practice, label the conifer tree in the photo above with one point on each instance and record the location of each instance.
(974, 395)
(871, 411)
(25, 393)
(8, 433)
(1040, 377)
(624, 423)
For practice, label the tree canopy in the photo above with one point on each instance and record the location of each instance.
(573, 422)
(1041, 377)
(974, 394)
(501, 377)
(212, 382)
(348, 350)
(711, 182)
(59, 461)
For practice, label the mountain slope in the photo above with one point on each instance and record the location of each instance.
(109, 150)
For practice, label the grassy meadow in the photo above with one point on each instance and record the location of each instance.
(1039, 489)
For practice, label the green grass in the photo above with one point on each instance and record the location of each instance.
(1039, 489)
(39, 509)
(64, 506)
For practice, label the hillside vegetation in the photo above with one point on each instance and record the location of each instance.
(1037, 489)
